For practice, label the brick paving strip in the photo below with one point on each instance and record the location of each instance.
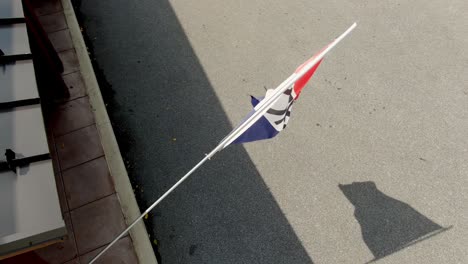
(95, 194)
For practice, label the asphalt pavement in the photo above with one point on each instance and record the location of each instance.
(372, 167)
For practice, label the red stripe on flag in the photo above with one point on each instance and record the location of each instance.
(299, 84)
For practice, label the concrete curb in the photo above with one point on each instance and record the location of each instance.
(138, 233)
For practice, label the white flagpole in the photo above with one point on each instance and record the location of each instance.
(265, 104)
(261, 109)
(207, 157)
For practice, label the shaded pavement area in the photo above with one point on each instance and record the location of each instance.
(169, 110)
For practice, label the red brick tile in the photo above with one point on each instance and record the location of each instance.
(61, 40)
(61, 252)
(78, 147)
(74, 261)
(87, 182)
(69, 61)
(25, 258)
(52, 148)
(56, 167)
(75, 85)
(121, 252)
(53, 22)
(45, 7)
(61, 192)
(71, 116)
(97, 223)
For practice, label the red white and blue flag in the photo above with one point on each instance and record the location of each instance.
(276, 118)
(272, 112)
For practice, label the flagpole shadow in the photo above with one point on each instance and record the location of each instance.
(387, 224)
(435, 233)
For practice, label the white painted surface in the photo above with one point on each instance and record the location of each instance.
(11, 9)
(14, 39)
(28, 198)
(17, 81)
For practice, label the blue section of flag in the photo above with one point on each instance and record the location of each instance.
(254, 101)
(262, 129)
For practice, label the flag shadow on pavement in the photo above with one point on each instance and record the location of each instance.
(166, 115)
(387, 224)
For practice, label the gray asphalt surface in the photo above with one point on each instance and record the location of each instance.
(373, 164)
